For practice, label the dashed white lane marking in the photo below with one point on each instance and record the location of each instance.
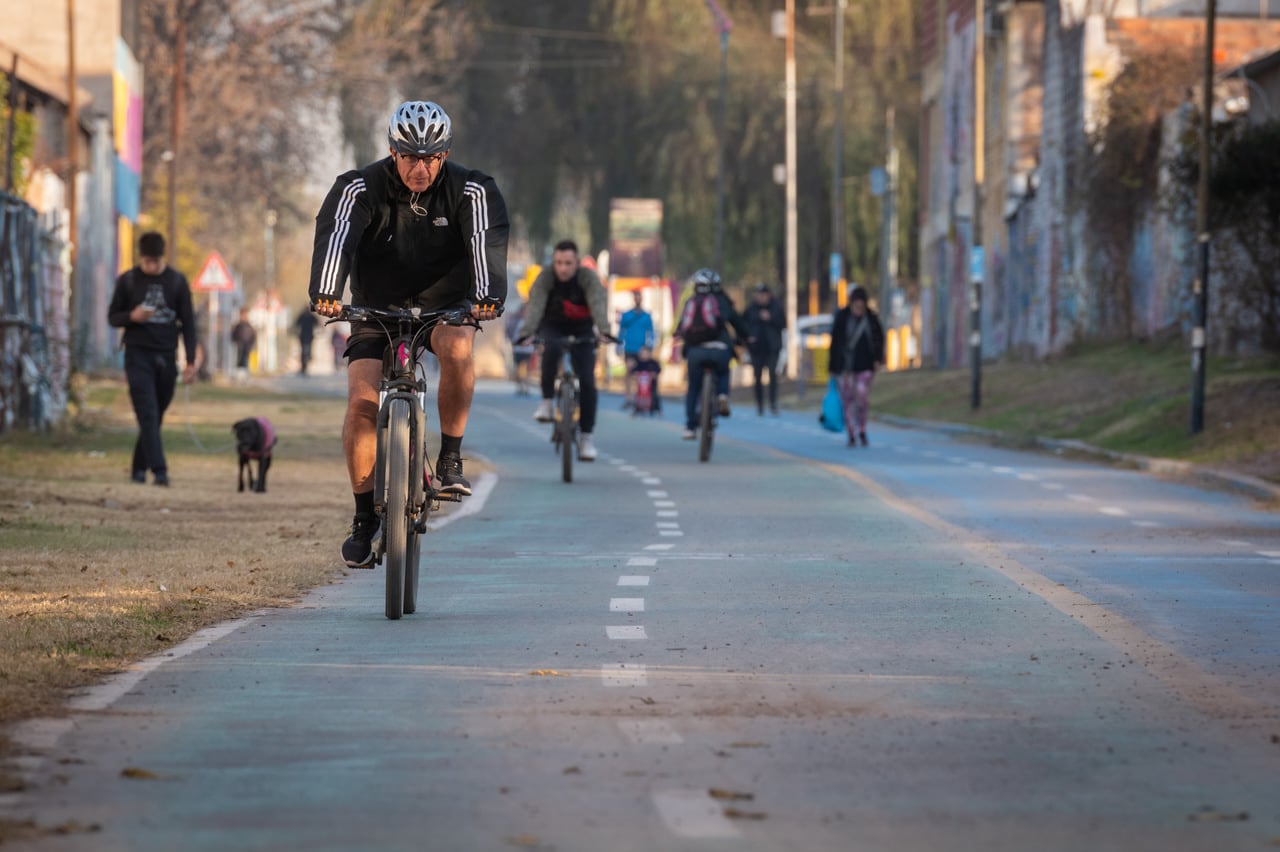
(1028, 477)
(652, 480)
(1080, 498)
(1003, 470)
(664, 504)
(957, 460)
(1234, 542)
(671, 533)
(633, 580)
(626, 604)
(692, 813)
(628, 468)
(657, 494)
(623, 674)
(658, 546)
(668, 513)
(649, 732)
(627, 631)
(1113, 511)
(667, 525)
(1270, 554)
(642, 561)
(1053, 486)
(1151, 525)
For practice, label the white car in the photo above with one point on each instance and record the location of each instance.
(815, 333)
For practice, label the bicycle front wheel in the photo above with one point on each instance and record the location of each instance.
(396, 533)
(568, 429)
(708, 417)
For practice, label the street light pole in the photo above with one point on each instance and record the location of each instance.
(793, 337)
(723, 26)
(837, 189)
(1200, 288)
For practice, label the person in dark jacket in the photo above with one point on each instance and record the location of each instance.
(413, 229)
(765, 322)
(152, 303)
(857, 349)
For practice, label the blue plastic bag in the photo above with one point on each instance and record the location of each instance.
(832, 416)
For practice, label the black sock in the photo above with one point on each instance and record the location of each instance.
(450, 445)
(364, 503)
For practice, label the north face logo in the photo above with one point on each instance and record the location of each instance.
(440, 222)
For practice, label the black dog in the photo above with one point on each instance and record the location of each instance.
(255, 438)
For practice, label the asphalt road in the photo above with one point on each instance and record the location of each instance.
(926, 644)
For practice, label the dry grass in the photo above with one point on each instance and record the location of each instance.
(96, 571)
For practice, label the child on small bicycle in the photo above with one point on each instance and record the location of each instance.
(644, 378)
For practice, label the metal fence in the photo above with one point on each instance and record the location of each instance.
(34, 356)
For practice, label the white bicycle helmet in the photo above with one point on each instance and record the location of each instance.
(420, 128)
(706, 281)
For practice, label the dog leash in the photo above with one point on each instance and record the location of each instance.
(186, 405)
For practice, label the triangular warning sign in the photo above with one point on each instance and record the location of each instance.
(214, 275)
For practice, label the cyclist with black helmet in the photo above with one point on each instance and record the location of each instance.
(413, 229)
(703, 331)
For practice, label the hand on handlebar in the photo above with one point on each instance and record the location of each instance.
(327, 307)
(485, 311)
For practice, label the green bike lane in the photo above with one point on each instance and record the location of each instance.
(756, 653)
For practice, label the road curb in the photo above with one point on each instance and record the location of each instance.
(1250, 485)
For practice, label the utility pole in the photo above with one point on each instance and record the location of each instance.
(73, 158)
(837, 187)
(793, 337)
(175, 123)
(1201, 286)
(723, 26)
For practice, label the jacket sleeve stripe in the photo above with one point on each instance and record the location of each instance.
(479, 225)
(330, 277)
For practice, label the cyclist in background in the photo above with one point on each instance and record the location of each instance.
(413, 229)
(568, 299)
(703, 331)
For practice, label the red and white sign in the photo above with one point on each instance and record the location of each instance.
(214, 275)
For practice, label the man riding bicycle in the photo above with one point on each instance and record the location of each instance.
(413, 229)
(568, 300)
(703, 330)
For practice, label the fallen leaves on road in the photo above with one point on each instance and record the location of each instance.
(734, 813)
(730, 795)
(547, 673)
(139, 773)
(1208, 814)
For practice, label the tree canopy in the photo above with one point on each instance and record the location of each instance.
(568, 105)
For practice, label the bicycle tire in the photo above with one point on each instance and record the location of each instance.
(707, 417)
(396, 529)
(412, 569)
(568, 429)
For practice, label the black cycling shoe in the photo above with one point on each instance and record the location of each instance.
(357, 550)
(449, 472)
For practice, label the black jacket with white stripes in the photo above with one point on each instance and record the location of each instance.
(434, 249)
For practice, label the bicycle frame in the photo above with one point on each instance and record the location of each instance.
(564, 428)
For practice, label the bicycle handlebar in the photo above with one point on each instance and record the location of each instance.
(448, 316)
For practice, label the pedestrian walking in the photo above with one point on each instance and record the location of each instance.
(635, 332)
(152, 303)
(305, 327)
(765, 323)
(857, 350)
(244, 338)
